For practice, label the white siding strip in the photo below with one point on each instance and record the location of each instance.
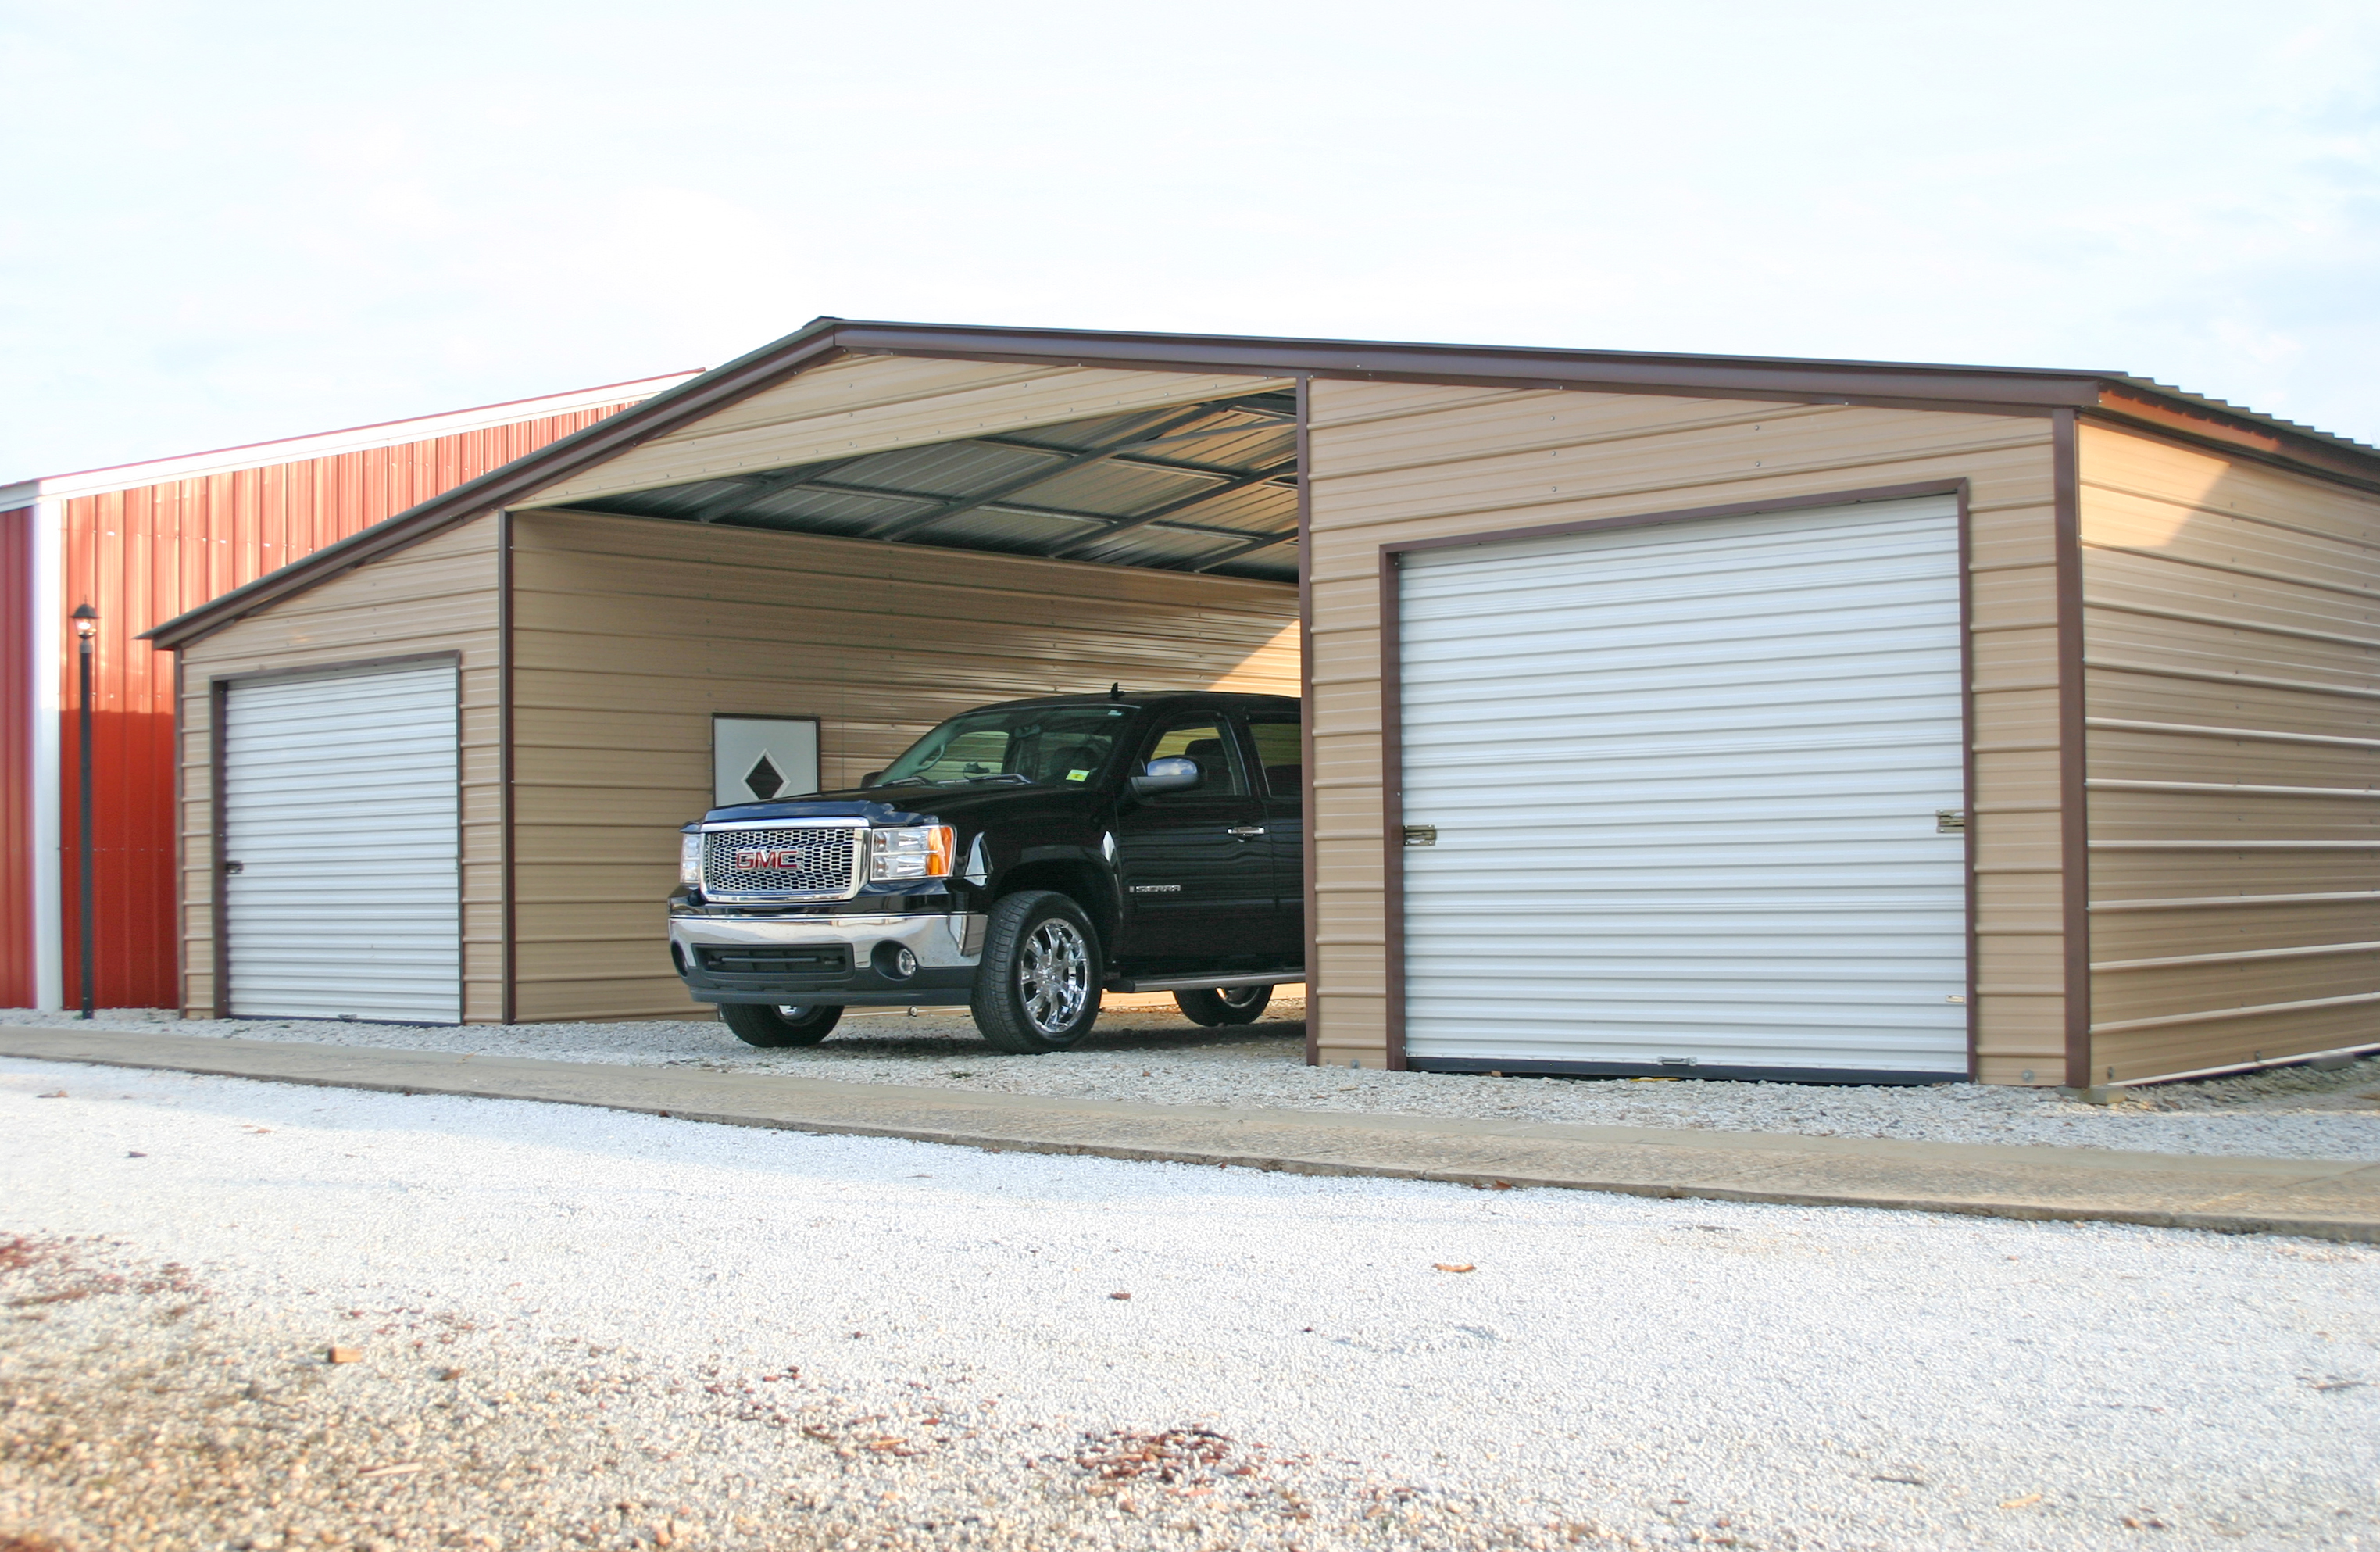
(1685, 782)
(46, 619)
(340, 805)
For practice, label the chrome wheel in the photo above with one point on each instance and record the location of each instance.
(1239, 999)
(1053, 975)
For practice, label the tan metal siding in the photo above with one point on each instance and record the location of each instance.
(1395, 462)
(870, 403)
(629, 634)
(440, 596)
(2232, 675)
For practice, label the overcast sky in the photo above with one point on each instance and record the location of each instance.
(230, 222)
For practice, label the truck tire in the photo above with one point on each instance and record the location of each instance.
(756, 1025)
(1036, 987)
(1224, 1004)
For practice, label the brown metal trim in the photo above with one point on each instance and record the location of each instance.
(219, 689)
(1612, 370)
(331, 670)
(1684, 514)
(1392, 707)
(219, 893)
(462, 850)
(1967, 762)
(1392, 807)
(509, 996)
(1311, 818)
(2235, 437)
(2073, 813)
(1895, 384)
(1777, 392)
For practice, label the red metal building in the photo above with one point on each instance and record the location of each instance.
(141, 543)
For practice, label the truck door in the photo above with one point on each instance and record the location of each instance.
(1197, 881)
(1279, 745)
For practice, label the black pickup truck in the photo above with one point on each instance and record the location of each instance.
(1019, 860)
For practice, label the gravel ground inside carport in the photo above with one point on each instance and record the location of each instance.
(1144, 1050)
(587, 1328)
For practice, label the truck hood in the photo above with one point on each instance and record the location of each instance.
(965, 807)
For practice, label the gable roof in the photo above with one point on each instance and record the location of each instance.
(1901, 385)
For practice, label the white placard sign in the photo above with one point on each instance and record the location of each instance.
(758, 759)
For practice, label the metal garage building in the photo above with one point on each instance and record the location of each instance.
(143, 543)
(1667, 714)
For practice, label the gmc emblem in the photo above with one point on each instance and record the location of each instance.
(770, 856)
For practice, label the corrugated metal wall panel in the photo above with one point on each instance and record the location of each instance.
(872, 403)
(1684, 786)
(629, 634)
(2232, 650)
(1398, 461)
(439, 596)
(340, 811)
(144, 554)
(17, 617)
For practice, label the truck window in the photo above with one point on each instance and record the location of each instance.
(1280, 752)
(1205, 740)
(1056, 744)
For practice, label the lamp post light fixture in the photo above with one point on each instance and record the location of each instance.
(86, 624)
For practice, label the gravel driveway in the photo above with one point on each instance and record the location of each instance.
(576, 1327)
(1146, 1051)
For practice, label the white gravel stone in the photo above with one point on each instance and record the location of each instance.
(708, 1336)
(1146, 1051)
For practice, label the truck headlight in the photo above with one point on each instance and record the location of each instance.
(911, 852)
(689, 859)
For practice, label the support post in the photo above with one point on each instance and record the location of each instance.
(86, 620)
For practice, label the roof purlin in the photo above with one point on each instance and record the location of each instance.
(1988, 390)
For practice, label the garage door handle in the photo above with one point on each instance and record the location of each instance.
(1244, 832)
(234, 868)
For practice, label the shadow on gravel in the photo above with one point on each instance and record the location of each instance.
(1269, 1041)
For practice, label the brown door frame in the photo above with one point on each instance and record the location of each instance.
(218, 690)
(1392, 558)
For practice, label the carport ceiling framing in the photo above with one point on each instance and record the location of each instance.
(1210, 487)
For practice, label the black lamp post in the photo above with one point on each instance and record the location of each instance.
(86, 622)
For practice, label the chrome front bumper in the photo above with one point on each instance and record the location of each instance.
(947, 945)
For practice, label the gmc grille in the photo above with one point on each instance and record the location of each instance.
(798, 862)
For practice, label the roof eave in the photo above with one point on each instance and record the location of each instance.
(1497, 366)
(2184, 416)
(1996, 390)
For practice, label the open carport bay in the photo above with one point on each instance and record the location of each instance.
(987, 533)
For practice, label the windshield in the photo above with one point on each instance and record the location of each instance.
(1035, 744)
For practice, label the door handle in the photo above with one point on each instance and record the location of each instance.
(1245, 831)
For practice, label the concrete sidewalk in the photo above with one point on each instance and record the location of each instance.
(2323, 1199)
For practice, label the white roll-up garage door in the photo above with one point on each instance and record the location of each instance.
(342, 846)
(1688, 784)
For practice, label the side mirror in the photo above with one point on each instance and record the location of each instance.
(869, 780)
(1174, 773)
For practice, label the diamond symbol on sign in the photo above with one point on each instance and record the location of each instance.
(764, 780)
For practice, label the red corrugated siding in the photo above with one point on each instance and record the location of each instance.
(16, 760)
(141, 556)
